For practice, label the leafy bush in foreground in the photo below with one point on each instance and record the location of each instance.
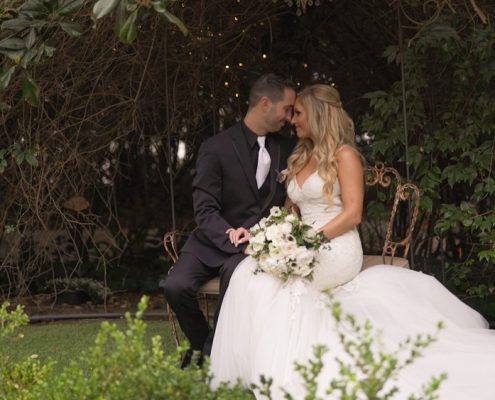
(120, 365)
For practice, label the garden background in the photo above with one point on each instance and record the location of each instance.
(103, 109)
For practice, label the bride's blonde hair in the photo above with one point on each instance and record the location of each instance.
(330, 127)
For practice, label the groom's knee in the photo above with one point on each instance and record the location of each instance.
(177, 289)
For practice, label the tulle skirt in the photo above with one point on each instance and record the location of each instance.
(265, 326)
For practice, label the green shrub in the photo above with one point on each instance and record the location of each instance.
(11, 320)
(120, 366)
(93, 289)
(17, 380)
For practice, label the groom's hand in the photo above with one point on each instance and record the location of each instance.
(238, 236)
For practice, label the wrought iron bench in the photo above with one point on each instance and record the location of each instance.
(377, 175)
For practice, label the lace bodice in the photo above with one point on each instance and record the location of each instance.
(312, 202)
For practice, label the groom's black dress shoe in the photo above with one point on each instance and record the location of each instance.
(191, 356)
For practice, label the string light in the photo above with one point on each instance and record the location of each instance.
(241, 65)
(305, 65)
(236, 19)
(227, 66)
(237, 95)
(226, 83)
(264, 56)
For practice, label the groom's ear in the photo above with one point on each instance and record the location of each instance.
(265, 103)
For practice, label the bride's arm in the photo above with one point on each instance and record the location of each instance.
(292, 207)
(351, 180)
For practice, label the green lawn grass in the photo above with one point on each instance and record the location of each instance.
(64, 341)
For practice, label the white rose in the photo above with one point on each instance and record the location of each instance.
(259, 238)
(279, 241)
(256, 247)
(269, 264)
(290, 250)
(290, 218)
(304, 257)
(275, 251)
(285, 228)
(255, 228)
(272, 232)
(262, 223)
(309, 235)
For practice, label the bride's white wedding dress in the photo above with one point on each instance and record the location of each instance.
(264, 325)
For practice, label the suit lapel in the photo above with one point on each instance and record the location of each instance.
(242, 151)
(274, 148)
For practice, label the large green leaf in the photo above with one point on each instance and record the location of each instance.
(72, 28)
(28, 56)
(31, 38)
(160, 8)
(12, 44)
(30, 91)
(120, 17)
(104, 7)
(35, 9)
(70, 7)
(6, 77)
(128, 32)
(16, 24)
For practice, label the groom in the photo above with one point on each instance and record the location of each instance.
(234, 187)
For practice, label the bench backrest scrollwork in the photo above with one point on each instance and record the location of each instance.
(384, 177)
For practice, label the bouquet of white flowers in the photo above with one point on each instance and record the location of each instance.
(284, 246)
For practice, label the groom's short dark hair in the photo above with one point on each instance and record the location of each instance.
(271, 86)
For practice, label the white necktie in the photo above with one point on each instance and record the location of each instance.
(263, 162)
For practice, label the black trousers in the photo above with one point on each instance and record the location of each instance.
(181, 291)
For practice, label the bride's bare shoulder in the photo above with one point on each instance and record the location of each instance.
(348, 153)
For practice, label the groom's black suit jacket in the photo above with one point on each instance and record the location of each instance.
(225, 194)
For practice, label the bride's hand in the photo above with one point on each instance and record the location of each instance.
(238, 236)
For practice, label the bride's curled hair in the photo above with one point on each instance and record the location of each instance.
(330, 127)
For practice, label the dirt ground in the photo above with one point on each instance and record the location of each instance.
(43, 304)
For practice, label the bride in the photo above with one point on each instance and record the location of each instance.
(265, 325)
